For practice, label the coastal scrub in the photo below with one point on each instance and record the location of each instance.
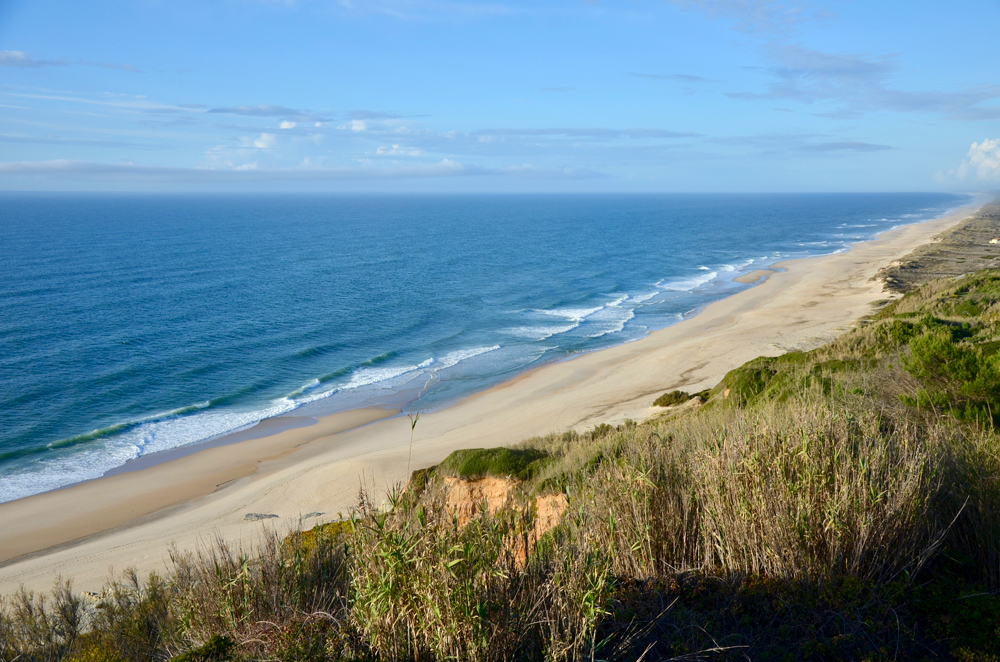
(840, 503)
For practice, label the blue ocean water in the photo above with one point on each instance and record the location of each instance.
(135, 324)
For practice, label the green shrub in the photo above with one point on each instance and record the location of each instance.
(500, 462)
(672, 398)
(304, 542)
(957, 377)
(748, 381)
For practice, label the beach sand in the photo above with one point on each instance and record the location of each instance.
(754, 276)
(132, 518)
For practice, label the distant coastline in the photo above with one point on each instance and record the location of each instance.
(246, 372)
(130, 518)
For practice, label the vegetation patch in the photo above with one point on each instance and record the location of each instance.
(672, 398)
(304, 542)
(519, 463)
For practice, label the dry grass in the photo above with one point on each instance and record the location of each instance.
(804, 515)
(795, 492)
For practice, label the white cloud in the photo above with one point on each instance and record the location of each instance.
(265, 141)
(397, 150)
(22, 59)
(354, 125)
(267, 110)
(286, 124)
(982, 160)
(310, 174)
(239, 157)
(232, 173)
(318, 125)
(862, 83)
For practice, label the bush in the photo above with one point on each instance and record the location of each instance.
(672, 398)
(958, 378)
(499, 462)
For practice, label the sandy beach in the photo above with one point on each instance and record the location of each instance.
(132, 518)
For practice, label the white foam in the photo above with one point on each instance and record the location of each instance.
(687, 284)
(172, 429)
(67, 466)
(702, 267)
(730, 268)
(173, 412)
(305, 387)
(370, 376)
(609, 320)
(185, 430)
(619, 301)
(366, 377)
(640, 298)
(575, 314)
(59, 471)
(540, 332)
(456, 357)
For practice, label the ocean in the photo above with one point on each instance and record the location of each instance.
(132, 324)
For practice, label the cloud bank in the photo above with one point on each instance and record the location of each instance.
(982, 161)
(860, 82)
(128, 172)
(269, 111)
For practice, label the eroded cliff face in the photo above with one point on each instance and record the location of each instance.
(467, 498)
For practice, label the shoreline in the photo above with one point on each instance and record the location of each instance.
(307, 413)
(131, 517)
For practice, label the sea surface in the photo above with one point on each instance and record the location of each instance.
(132, 324)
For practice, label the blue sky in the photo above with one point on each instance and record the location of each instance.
(499, 95)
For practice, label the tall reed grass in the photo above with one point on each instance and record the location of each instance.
(808, 491)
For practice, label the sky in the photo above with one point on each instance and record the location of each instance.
(499, 95)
